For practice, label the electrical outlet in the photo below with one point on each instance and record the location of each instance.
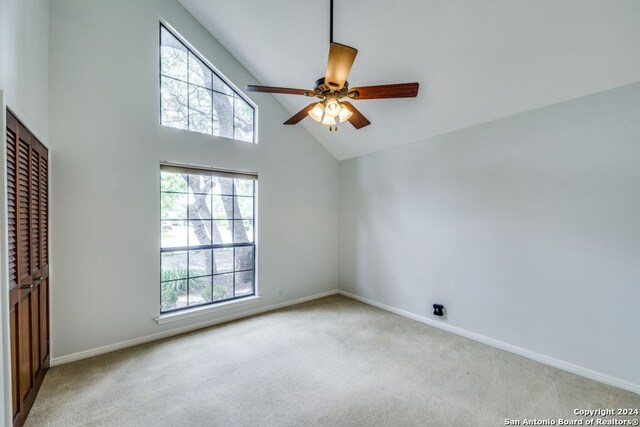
(438, 310)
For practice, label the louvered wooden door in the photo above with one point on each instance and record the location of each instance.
(28, 264)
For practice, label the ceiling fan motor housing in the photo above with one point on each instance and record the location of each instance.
(321, 87)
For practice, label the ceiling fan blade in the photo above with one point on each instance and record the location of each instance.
(272, 89)
(357, 119)
(341, 59)
(300, 115)
(400, 90)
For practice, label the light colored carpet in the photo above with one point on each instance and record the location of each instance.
(330, 362)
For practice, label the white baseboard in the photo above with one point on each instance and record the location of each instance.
(165, 334)
(560, 364)
(556, 363)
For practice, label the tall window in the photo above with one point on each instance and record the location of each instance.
(207, 237)
(196, 98)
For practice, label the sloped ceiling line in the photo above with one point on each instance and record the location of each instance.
(476, 61)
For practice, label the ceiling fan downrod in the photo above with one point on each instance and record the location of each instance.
(331, 21)
(333, 87)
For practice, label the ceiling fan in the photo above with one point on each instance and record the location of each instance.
(333, 87)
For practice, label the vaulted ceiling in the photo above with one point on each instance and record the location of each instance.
(476, 61)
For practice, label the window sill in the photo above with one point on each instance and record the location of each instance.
(199, 311)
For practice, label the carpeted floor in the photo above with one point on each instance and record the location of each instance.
(330, 362)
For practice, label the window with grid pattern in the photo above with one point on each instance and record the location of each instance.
(207, 236)
(195, 97)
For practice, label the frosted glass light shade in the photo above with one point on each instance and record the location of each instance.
(328, 120)
(332, 108)
(317, 112)
(345, 113)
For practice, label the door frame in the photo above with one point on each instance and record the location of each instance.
(6, 409)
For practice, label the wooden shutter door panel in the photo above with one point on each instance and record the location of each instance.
(35, 331)
(43, 207)
(34, 255)
(44, 323)
(28, 269)
(13, 331)
(34, 207)
(11, 202)
(12, 256)
(24, 350)
(44, 210)
(24, 260)
(25, 353)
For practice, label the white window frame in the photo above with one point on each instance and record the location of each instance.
(214, 69)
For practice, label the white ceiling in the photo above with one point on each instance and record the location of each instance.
(476, 61)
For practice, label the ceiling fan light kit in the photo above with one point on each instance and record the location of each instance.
(330, 112)
(331, 88)
(345, 113)
(317, 112)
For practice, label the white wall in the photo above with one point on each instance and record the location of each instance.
(24, 61)
(107, 147)
(526, 228)
(24, 80)
(521, 226)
